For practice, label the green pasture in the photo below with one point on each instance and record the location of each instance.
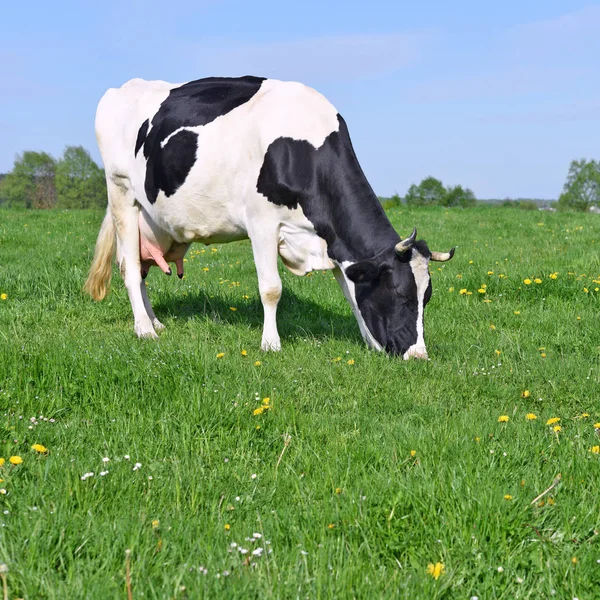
(366, 476)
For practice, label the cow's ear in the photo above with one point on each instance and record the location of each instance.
(365, 270)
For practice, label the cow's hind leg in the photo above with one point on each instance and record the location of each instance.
(126, 218)
(264, 247)
(155, 322)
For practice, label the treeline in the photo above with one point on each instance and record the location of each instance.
(38, 180)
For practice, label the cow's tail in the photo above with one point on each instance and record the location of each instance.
(98, 281)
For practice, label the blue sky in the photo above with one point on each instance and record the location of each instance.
(499, 97)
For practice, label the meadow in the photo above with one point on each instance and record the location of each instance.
(323, 471)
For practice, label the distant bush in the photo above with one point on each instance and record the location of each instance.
(431, 192)
(391, 202)
(522, 204)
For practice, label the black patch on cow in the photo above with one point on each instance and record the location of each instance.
(141, 136)
(330, 186)
(334, 194)
(193, 104)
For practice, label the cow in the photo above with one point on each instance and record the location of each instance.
(221, 159)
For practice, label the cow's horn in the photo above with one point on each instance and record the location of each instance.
(404, 245)
(442, 256)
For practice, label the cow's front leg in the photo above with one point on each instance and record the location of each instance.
(269, 285)
(155, 322)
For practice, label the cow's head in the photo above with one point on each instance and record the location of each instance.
(391, 292)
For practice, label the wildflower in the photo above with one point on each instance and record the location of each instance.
(15, 460)
(244, 353)
(450, 289)
(435, 570)
(498, 352)
(205, 269)
(478, 439)
(337, 359)
(338, 490)
(481, 291)
(155, 524)
(500, 569)
(525, 393)
(551, 501)
(227, 526)
(3, 296)
(508, 497)
(253, 476)
(257, 552)
(266, 402)
(232, 308)
(517, 312)
(2, 461)
(492, 327)
(552, 420)
(531, 416)
(126, 457)
(258, 411)
(597, 425)
(351, 361)
(574, 560)
(413, 453)
(527, 281)
(221, 355)
(3, 491)
(543, 355)
(330, 526)
(137, 466)
(595, 450)
(490, 272)
(39, 448)
(257, 363)
(537, 280)
(503, 419)
(105, 459)
(553, 275)
(556, 428)
(463, 291)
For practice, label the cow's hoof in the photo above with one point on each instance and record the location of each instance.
(271, 345)
(144, 329)
(158, 326)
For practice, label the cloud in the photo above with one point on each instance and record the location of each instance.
(321, 59)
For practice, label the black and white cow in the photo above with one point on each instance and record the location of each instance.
(223, 159)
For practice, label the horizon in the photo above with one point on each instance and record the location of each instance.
(499, 99)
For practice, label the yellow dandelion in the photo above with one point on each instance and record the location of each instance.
(508, 497)
(595, 450)
(522, 483)
(531, 416)
(450, 289)
(337, 359)
(551, 501)
(338, 490)
(498, 352)
(584, 415)
(244, 353)
(574, 560)
(543, 355)
(330, 526)
(266, 401)
(39, 448)
(597, 425)
(155, 524)
(221, 355)
(436, 570)
(517, 312)
(205, 269)
(463, 291)
(525, 393)
(490, 272)
(2, 461)
(552, 420)
(553, 275)
(470, 262)
(537, 280)
(214, 250)
(481, 290)
(578, 318)
(232, 308)
(227, 526)
(15, 460)
(487, 301)
(257, 427)
(257, 363)
(3, 296)
(478, 439)
(503, 419)
(492, 327)
(557, 428)
(527, 281)
(351, 361)
(413, 453)
(258, 411)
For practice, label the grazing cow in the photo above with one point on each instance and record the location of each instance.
(224, 159)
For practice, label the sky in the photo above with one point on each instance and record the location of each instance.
(495, 96)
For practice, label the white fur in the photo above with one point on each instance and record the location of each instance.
(420, 268)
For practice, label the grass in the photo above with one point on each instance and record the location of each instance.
(346, 509)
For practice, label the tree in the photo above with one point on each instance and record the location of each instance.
(582, 188)
(459, 196)
(31, 182)
(429, 191)
(80, 181)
